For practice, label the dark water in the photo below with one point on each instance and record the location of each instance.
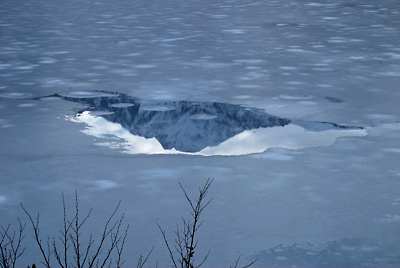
(185, 126)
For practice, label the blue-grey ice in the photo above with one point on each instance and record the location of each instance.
(273, 83)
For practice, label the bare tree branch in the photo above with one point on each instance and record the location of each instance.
(246, 266)
(36, 231)
(10, 245)
(186, 241)
(83, 255)
(106, 233)
(142, 262)
(120, 248)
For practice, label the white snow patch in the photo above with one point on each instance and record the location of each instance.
(145, 66)
(250, 61)
(242, 97)
(370, 247)
(291, 96)
(7, 125)
(396, 202)
(298, 50)
(391, 150)
(122, 105)
(105, 184)
(158, 108)
(25, 105)
(86, 94)
(25, 67)
(348, 247)
(123, 72)
(235, 31)
(288, 68)
(134, 54)
(393, 74)
(389, 218)
(100, 113)
(356, 57)
(48, 61)
(203, 116)
(56, 52)
(338, 40)
(248, 86)
(294, 83)
(15, 95)
(276, 157)
(380, 116)
(157, 173)
(50, 98)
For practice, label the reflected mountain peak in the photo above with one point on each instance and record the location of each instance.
(204, 128)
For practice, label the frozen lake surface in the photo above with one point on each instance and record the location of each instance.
(292, 106)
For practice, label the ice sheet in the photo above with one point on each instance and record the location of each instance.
(318, 61)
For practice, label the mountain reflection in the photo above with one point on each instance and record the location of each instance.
(207, 128)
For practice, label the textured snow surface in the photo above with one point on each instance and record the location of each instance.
(309, 61)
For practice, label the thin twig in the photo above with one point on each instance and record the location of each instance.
(10, 245)
(186, 241)
(167, 245)
(142, 262)
(36, 231)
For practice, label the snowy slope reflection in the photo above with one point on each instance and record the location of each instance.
(202, 128)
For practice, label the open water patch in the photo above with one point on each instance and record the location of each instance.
(27, 105)
(197, 128)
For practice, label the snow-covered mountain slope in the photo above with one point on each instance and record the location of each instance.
(206, 128)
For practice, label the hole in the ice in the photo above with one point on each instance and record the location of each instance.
(15, 95)
(198, 128)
